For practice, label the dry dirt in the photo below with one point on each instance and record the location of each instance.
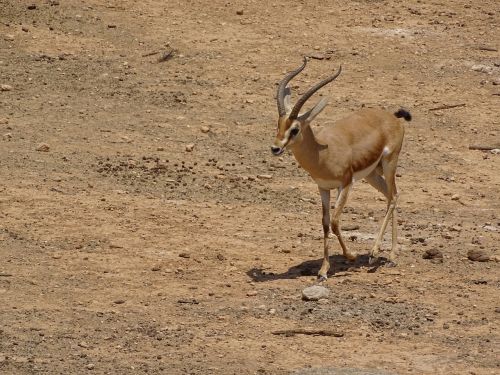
(124, 253)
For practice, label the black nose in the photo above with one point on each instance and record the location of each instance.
(275, 150)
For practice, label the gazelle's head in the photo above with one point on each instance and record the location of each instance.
(290, 122)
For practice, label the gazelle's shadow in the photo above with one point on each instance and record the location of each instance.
(311, 268)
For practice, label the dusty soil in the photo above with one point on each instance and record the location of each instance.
(122, 252)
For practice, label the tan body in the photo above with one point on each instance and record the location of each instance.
(364, 145)
(338, 153)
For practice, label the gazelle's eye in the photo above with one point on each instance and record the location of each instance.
(294, 132)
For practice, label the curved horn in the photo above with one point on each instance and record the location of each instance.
(298, 106)
(282, 85)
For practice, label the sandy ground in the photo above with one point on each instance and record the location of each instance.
(123, 253)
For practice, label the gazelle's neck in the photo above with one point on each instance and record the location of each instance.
(307, 150)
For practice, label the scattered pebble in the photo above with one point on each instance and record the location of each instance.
(205, 129)
(455, 197)
(478, 255)
(190, 147)
(252, 293)
(481, 68)
(265, 176)
(119, 301)
(9, 37)
(90, 366)
(349, 227)
(314, 293)
(433, 254)
(317, 56)
(43, 147)
(4, 121)
(4, 87)
(239, 12)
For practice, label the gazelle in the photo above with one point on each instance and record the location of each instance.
(364, 145)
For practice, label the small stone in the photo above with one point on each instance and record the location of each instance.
(31, 7)
(272, 311)
(190, 147)
(7, 136)
(315, 293)
(184, 255)
(155, 268)
(265, 176)
(4, 87)
(496, 81)
(160, 149)
(481, 68)
(433, 254)
(349, 227)
(9, 37)
(252, 293)
(490, 228)
(83, 344)
(111, 26)
(455, 197)
(478, 255)
(239, 12)
(90, 366)
(205, 129)
(43, 147)
(25, 29)
(4, 121)
(119, 302)
(317, 56)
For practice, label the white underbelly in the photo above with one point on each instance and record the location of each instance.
(359, 175)
(327, 184)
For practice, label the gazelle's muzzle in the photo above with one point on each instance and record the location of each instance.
(277, 150)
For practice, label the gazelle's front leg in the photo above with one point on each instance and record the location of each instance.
(339, 206)
(325, 204)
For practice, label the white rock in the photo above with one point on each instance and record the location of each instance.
(315, 292)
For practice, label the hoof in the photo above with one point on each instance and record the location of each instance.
(390, 264)
(322, 278)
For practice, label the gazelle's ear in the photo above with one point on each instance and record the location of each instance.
(287, 100)
(312, 113)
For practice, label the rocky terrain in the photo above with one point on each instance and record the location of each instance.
(145, 227)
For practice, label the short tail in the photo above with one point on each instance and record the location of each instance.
(403, 113)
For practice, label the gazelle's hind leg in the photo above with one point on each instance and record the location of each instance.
(387, 186)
